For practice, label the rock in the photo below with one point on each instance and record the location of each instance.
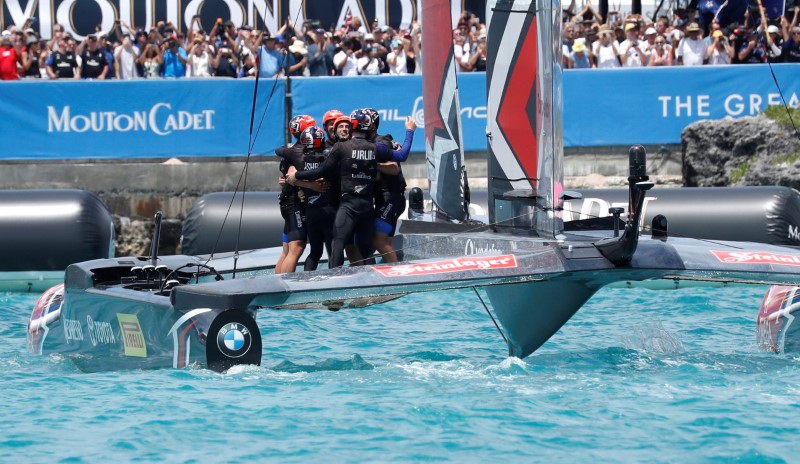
(134, 236)
(736, 152)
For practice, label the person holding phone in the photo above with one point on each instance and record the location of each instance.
(173, 58)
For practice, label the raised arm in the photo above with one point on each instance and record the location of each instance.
(400, 155)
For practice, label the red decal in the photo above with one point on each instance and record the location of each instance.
(467, 263)
(512, 115)
(756, 257)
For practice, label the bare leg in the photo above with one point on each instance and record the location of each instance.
(296, 249)
(383, 243)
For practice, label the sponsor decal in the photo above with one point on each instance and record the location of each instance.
(233, 340)
(132, 336)
(160, 119)
(756, 257)
(470, 248)
(451, 265)
(72, 330)
(100, 333)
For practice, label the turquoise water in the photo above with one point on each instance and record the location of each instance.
(637, 375)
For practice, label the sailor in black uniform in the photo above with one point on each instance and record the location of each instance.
(320, 210)
(356, 162)
(390, 198)
(292, 209)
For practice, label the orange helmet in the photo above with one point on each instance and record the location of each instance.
(340, 119)
(299, 123)
(331, 115)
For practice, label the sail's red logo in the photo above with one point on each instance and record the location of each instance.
(756, 257)
(470, 263)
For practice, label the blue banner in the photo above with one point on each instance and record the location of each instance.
(654, 105)
(211, 117)
(139, 119)
(394, 98)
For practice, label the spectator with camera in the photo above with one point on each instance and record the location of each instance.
(199, 57)
(125, 57)
(346, 61)
(750, 51)
(791, 39)
(63, 63)
(225, 62)
(10, 57)
(270, 59)
(173, 58)
(630, 50)
(720, 51)
(150, 61)
(369, 64)
(605, 49)
(94, 64)
(397, 58)
(32, 58)
(692, 49)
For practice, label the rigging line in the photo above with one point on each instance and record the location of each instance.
(534, 179)
(490, 315)
(251, 144)
(783, 99)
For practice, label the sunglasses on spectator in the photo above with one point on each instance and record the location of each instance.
(795, 33)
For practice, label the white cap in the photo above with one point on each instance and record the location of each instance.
(6, 34)
(650, 30)
(773, 29)
(369, 37)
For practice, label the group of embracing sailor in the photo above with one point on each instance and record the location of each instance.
(342, 187)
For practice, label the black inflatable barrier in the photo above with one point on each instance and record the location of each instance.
(756, 214)
(752, 214)
(47, 230)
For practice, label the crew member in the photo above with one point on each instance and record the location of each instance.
(292, 210)
(329, 124)
(390, 196)
(320, 211)
(356, 162)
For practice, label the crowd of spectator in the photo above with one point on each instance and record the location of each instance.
(226, 50)
(589, 41)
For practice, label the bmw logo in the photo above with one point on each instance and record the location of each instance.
(233, 340)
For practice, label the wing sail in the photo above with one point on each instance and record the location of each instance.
(444, 146)
(524, 114)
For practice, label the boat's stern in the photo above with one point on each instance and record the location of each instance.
(114, 314)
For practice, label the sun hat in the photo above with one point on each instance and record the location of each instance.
(298, 46)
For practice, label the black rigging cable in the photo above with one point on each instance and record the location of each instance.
(250, 146)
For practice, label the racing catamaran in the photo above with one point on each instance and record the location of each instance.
(161, 311)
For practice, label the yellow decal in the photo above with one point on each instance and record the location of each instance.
(132, 336)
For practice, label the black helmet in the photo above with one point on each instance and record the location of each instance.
(312, 138)
(361, 120)
(376, 118)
